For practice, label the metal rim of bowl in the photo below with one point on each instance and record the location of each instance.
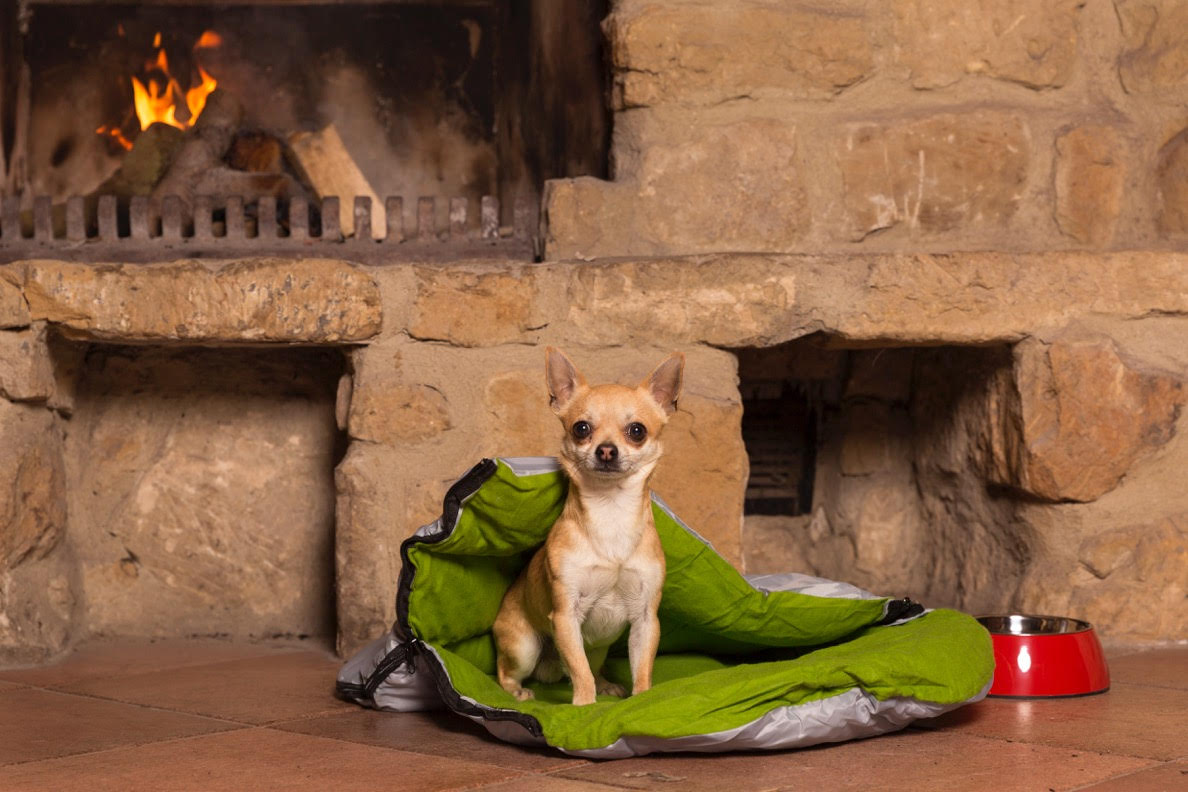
(1024, 624)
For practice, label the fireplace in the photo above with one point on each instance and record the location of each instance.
(257, 126)
(927, 268)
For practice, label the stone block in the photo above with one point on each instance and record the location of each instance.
(32, 484)
(26, 373)
(721, 186)
(588, 218)
(706, 53)
(1171, 175)
(373, 516)
(773, 544)
(14, 312)
(685, 185)
(385, 408)
(255, 300)
(1155, 40)
(213, 510)
(751, 303)
(516, 413)
(1085, 416)
(1140, 580)
(38, 602)
(475, 307)
(1090, 174)
(936, 174)
(979, 298)
(1022, 41)
(703, 474)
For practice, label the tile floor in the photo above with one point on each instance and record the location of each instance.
(209, 715)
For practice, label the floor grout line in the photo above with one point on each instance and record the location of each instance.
(404, 751)
(125, 746)
(98, 697)
(169, 667)
(1041, 744)
(1118, 776)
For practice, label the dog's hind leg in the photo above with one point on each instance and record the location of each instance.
(518, 647)
(603, 685)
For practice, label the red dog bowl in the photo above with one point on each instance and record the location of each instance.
(1045, 656)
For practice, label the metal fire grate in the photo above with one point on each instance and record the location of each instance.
(148, 232)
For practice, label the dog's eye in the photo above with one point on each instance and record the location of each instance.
(581, 430)
(637, 432)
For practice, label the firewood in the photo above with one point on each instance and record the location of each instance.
(221, 183)
(322, 160)
(257, 152)
(144, 166)
(204, 148)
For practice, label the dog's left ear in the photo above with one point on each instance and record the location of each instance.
(665, 382)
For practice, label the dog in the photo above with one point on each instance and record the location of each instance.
(601, 568)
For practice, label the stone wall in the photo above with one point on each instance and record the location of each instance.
(38, 576)
(863, 126)
(1002, 430)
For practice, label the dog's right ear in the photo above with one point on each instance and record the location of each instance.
(562, 377)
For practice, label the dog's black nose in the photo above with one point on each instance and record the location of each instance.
(607, 452)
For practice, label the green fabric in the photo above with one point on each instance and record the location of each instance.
(728, 653)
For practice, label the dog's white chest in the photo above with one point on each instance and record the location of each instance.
(611, 597)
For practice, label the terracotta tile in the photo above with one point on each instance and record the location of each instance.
(1160, 667)
(38, 724)
(1164, 778)
(255, 690)
(8, 686)
(440, 733)
(1131, 720)
(104, 659)
(255, 759)
(913, 761)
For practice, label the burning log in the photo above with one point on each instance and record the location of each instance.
(257, 152)
(323, 162)
(144, 166)
(204, 148)
(222, 183)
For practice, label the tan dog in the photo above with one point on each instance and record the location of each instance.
(601, 567)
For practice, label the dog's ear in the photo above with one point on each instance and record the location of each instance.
(562, 378)
(665, 382)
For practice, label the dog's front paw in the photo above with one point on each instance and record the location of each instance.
(608, 688)
(582, 698)
(523, 694)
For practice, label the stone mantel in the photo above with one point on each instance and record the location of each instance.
(725, 300)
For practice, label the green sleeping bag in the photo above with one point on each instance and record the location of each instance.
(775, 661)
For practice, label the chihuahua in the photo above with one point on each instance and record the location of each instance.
(601, 568)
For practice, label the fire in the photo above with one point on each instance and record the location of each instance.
(115, 133)
(158, 103)
(158, 96)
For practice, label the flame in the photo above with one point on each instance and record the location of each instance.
(117, 134)
(208, 40)
(196, 96)
(157, 95)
